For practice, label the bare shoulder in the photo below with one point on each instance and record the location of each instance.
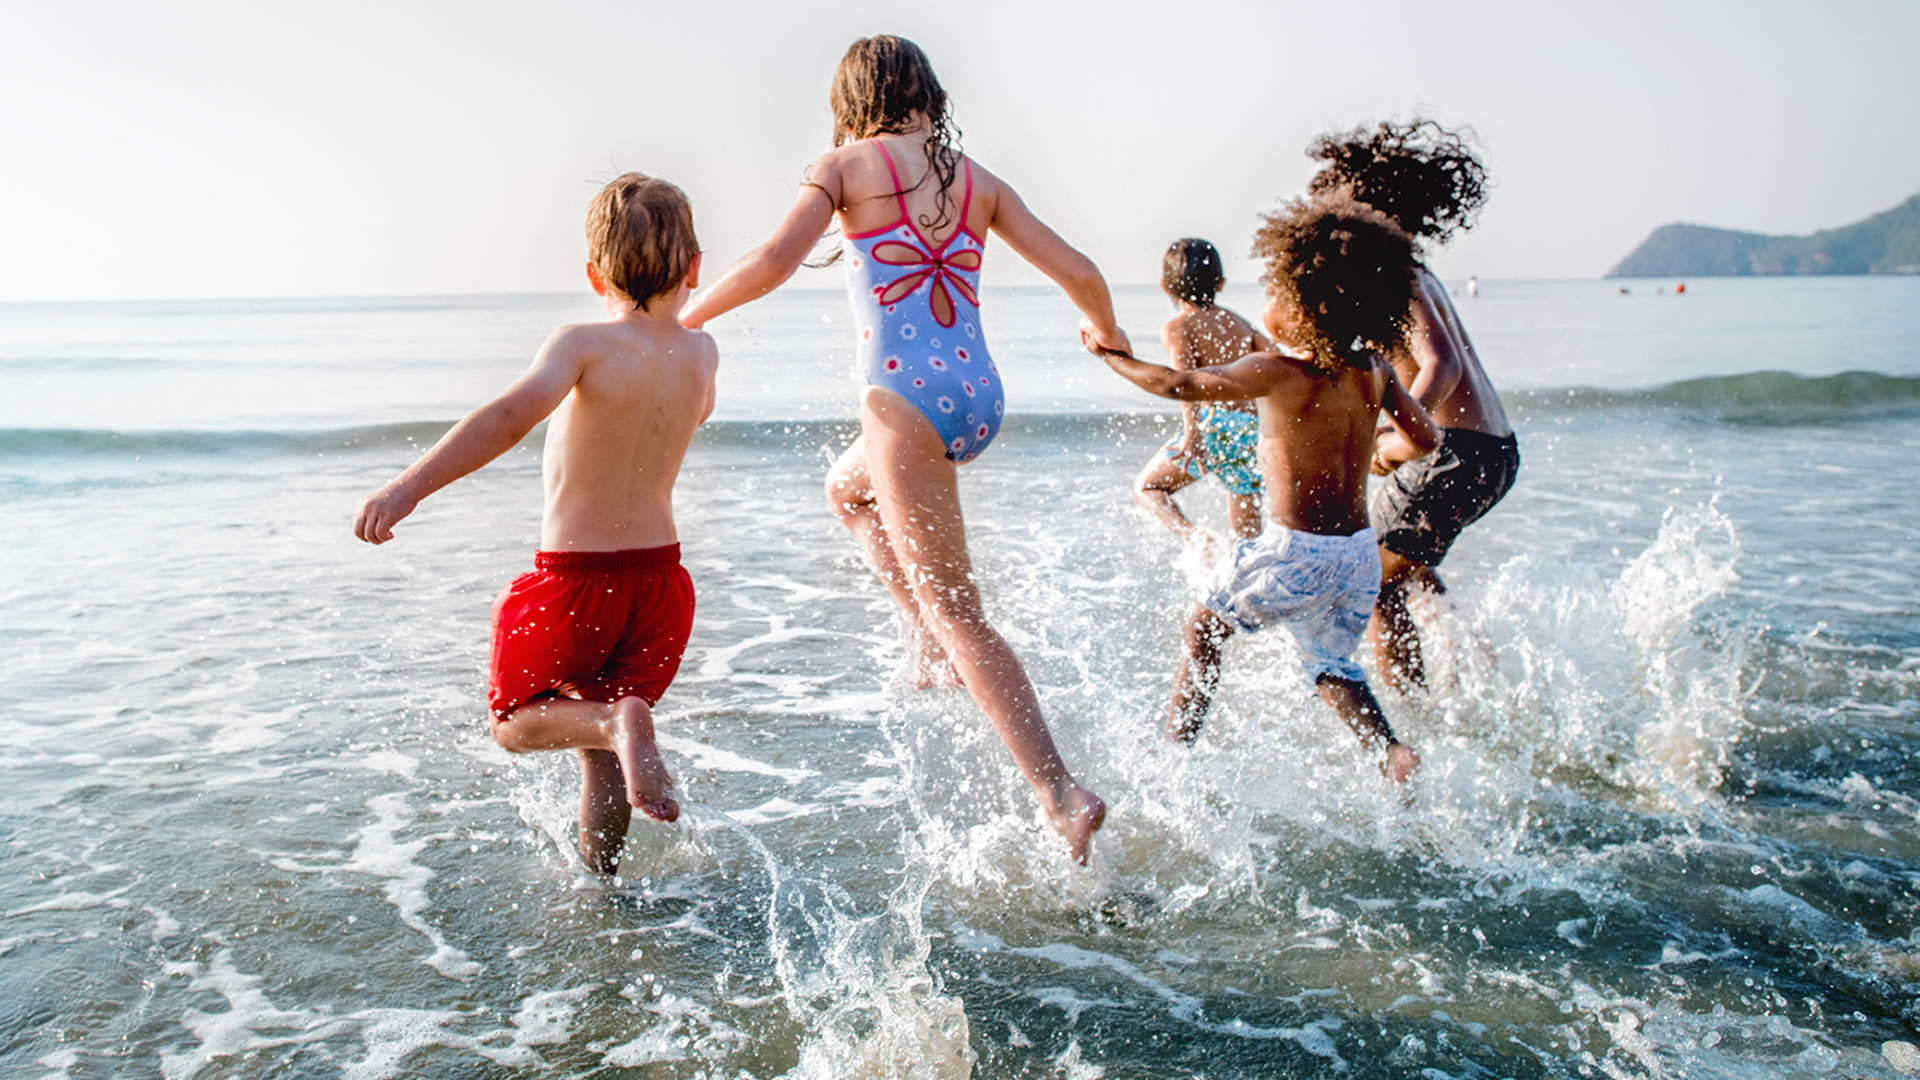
(854, 164)
(705, 350)
(575, 343)
(983, 177)
(1381, 371)
(988, 188)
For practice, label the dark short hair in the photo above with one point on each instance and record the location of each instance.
(1342, 276)
(1191, 271)
(1423, 176)
(640, 237)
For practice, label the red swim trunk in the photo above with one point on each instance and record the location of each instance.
(594, 625)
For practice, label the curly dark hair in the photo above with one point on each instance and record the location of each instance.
(880, 83)
(1341, 276)
(1423, 176)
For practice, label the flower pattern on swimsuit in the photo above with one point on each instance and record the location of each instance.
(940, 270)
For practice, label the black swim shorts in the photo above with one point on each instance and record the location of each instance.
(1420, 509)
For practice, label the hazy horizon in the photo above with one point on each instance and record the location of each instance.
(215, 150)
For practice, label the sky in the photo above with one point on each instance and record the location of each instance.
(205, 148)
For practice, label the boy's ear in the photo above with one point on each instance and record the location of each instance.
(693, 271)
(593, 278)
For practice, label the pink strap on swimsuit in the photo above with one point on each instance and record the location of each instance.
(917, 309)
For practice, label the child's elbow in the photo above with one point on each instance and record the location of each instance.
(1169, 384)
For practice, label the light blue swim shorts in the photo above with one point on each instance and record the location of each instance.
(1320, 587)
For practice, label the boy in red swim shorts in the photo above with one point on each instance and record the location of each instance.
(585, 645)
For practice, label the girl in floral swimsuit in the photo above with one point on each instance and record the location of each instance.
(914, 212)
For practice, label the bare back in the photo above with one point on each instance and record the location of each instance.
(868, 195)
(614, 446)
(1316, 443)
(1441, 368)
(1200, 337)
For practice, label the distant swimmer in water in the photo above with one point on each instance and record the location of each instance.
(914, 213)
(585, 645)
(1214, 439)
(1341, 279)
(1427, 180)
(1473, 285)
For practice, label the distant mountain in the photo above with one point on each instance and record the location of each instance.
(1886, 243)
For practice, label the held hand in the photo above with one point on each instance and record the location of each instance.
(1098, 343)
(380, 513)
(1381, 466)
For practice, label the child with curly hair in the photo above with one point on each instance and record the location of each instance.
(1430, 183)
(1340, 280)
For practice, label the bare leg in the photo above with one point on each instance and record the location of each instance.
(1153, 491)
(1357, 706)
(1197, 676)
(1396, 641)
(623, 729)
(918, 499)
(604, 813)
(850, 495)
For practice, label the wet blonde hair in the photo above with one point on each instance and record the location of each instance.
(640, 237)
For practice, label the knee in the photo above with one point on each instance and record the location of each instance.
(1393, 588)
(506, 734)
(846, 501)
(1391, 597)
(1205, 631)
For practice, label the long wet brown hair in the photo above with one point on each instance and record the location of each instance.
(880, 83)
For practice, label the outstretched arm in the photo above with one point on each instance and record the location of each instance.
(1032, 240)
(768, 266)
(1413, 435)
(485, 434)
(1243, 380)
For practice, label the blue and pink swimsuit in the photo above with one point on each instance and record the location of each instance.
(916, 307)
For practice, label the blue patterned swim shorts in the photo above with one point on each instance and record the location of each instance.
(1320, 587)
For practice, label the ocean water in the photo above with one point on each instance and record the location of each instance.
(1669, 824)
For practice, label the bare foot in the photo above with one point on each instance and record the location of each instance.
(1079, 816)
(1401, 763)
(649, 785)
